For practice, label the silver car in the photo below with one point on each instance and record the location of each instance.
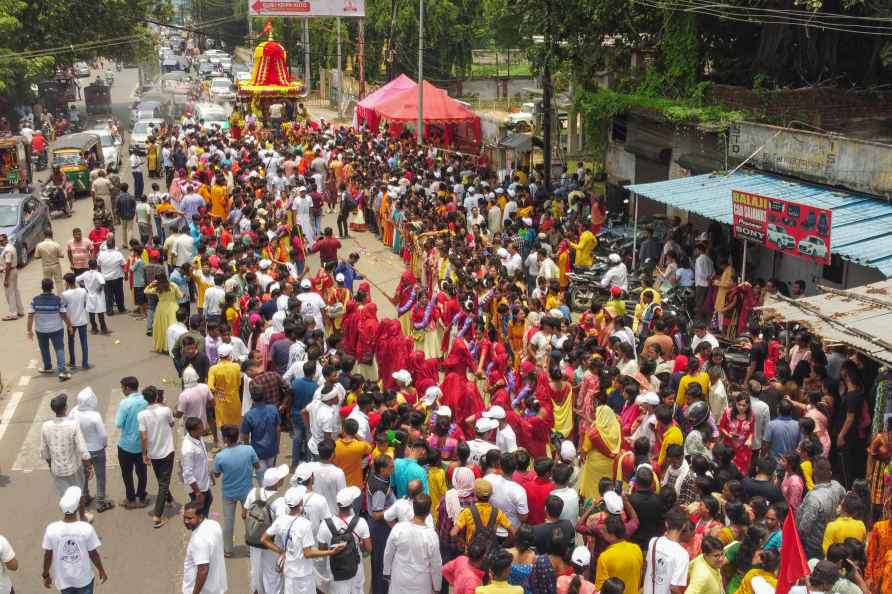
(141, 132)
(111, 148)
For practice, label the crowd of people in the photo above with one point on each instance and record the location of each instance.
(487, 439)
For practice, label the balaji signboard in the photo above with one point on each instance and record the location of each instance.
(307, 8)
(788, 227)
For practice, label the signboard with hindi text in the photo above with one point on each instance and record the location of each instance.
(796, 229)
(307, 8)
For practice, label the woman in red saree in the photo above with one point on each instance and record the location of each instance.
(459, 359)
(404, 298)
(462, 397)
(736, 426)
(352, 317)
(557, 394)
(425, 372)
(366, 366)
(391, 352)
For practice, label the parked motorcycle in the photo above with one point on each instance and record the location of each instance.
(57, 199)
(39, 159)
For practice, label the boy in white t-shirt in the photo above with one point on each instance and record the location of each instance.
(666, 561)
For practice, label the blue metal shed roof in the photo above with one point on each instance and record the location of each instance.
(861, 228)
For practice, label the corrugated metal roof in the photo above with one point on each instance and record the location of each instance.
(859, 317)
(861, 229)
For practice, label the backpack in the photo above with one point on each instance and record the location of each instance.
(259, 517)
(487, 533)
(345, 563)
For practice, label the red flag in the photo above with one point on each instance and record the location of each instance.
(793, 564)
(268, 26)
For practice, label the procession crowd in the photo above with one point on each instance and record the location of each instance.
(487, 439)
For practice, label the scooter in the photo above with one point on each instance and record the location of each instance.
(57, 199)
(39, 158)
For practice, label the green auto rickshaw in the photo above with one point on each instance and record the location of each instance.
(77, 155)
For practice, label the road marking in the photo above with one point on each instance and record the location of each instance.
(29, 452)
(24, 380)
(111, 430)
(32, 364)
(9, 411)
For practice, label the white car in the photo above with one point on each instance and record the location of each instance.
(141, 132)
(211, 113)
(812, 245)
(82, 69)
(111, 148)
(221, 90)
(779, 236)
(242, 75)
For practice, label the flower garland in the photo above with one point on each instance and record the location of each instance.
(481, 307)
(404, 307)
(521, 396)
(425, 320)
(469, 319)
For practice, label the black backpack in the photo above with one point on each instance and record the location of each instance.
(345, 563)
(487, 533)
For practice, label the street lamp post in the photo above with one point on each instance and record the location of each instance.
(420, 131)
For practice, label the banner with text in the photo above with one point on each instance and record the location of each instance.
(307, 8)
(789, 227)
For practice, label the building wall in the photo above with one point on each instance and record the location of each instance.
(491, 88)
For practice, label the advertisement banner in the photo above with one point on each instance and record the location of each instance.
(789, 227)
(307, 8)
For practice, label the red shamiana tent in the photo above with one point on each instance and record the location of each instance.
(446, 121)
(365, 109)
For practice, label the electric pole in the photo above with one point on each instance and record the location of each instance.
(420, 72)
(390, 50)
(340, 73)
(307, 54)
(361, 58)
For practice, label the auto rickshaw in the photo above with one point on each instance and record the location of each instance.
(77, 155)
(15, 164)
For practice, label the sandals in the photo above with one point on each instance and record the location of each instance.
(104, 506)
(10, 318)
(159, 522)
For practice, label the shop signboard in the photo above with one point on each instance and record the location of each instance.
(789, 227)
(307, 8)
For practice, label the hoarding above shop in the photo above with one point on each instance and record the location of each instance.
(307, 8)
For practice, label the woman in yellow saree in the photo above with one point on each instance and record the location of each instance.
(601, 447)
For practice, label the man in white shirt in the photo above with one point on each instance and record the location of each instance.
(401, 510)
(8, 562)
(345, 521)
(701, 334)
(205, 550)
(547, 268)
(328, 479)
(264, 576)
(532, 267)
(111, 265)
(214, 296)
(316, 510)
(311, 303)
(320, 417)
(494, 216)
(665, 560)
(96, 439)
(75, 300)
(515, 261)
(412, 559)
(506, 440)
(482, 443)
(63, 447)
(507, 495)
(360, 415)
(69, 547)
(617, 275)
(562, 476)
(175, 330)
(704, 270)
(292, 539)
(156, 436)
(194, 465)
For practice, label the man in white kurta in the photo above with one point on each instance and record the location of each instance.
(264, 577)
(361, 534)
(412, 559)
(301, 206)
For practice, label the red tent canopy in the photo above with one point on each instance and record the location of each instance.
(365, 109)
(440, 110)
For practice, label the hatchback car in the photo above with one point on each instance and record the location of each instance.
(111, 148)
(25, 220)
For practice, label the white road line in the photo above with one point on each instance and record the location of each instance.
(32, 364)
(24, 380)
(9, 411)
(29, 452)
(113, 433)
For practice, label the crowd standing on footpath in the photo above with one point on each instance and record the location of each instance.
(486, 440)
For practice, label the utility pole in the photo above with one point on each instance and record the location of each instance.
(307, 54)
(546, 99)
(361, 58)
(340, 72)
(420, 132)
(390, 50)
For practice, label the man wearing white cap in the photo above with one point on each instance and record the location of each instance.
(311, 303)
(506, 440)
(617, 275)
(647, 403)
(290, 538)
(315, 509)
(321, 417)
(265, 505)
(344, 527)
(69, 546)
(482, 443)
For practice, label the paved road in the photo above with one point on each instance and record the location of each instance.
(139, 560)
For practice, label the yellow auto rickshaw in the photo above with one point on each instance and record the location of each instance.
(77, 155)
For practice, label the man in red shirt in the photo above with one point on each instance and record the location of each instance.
(538, 490)
(327, 246)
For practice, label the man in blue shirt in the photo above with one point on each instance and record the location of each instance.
(260, 428)
(129, 446)
(782, 434)
(348, 269)
(181, 277)
(302, 391)
(47, 316)
(408, 469)
(236, 464)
